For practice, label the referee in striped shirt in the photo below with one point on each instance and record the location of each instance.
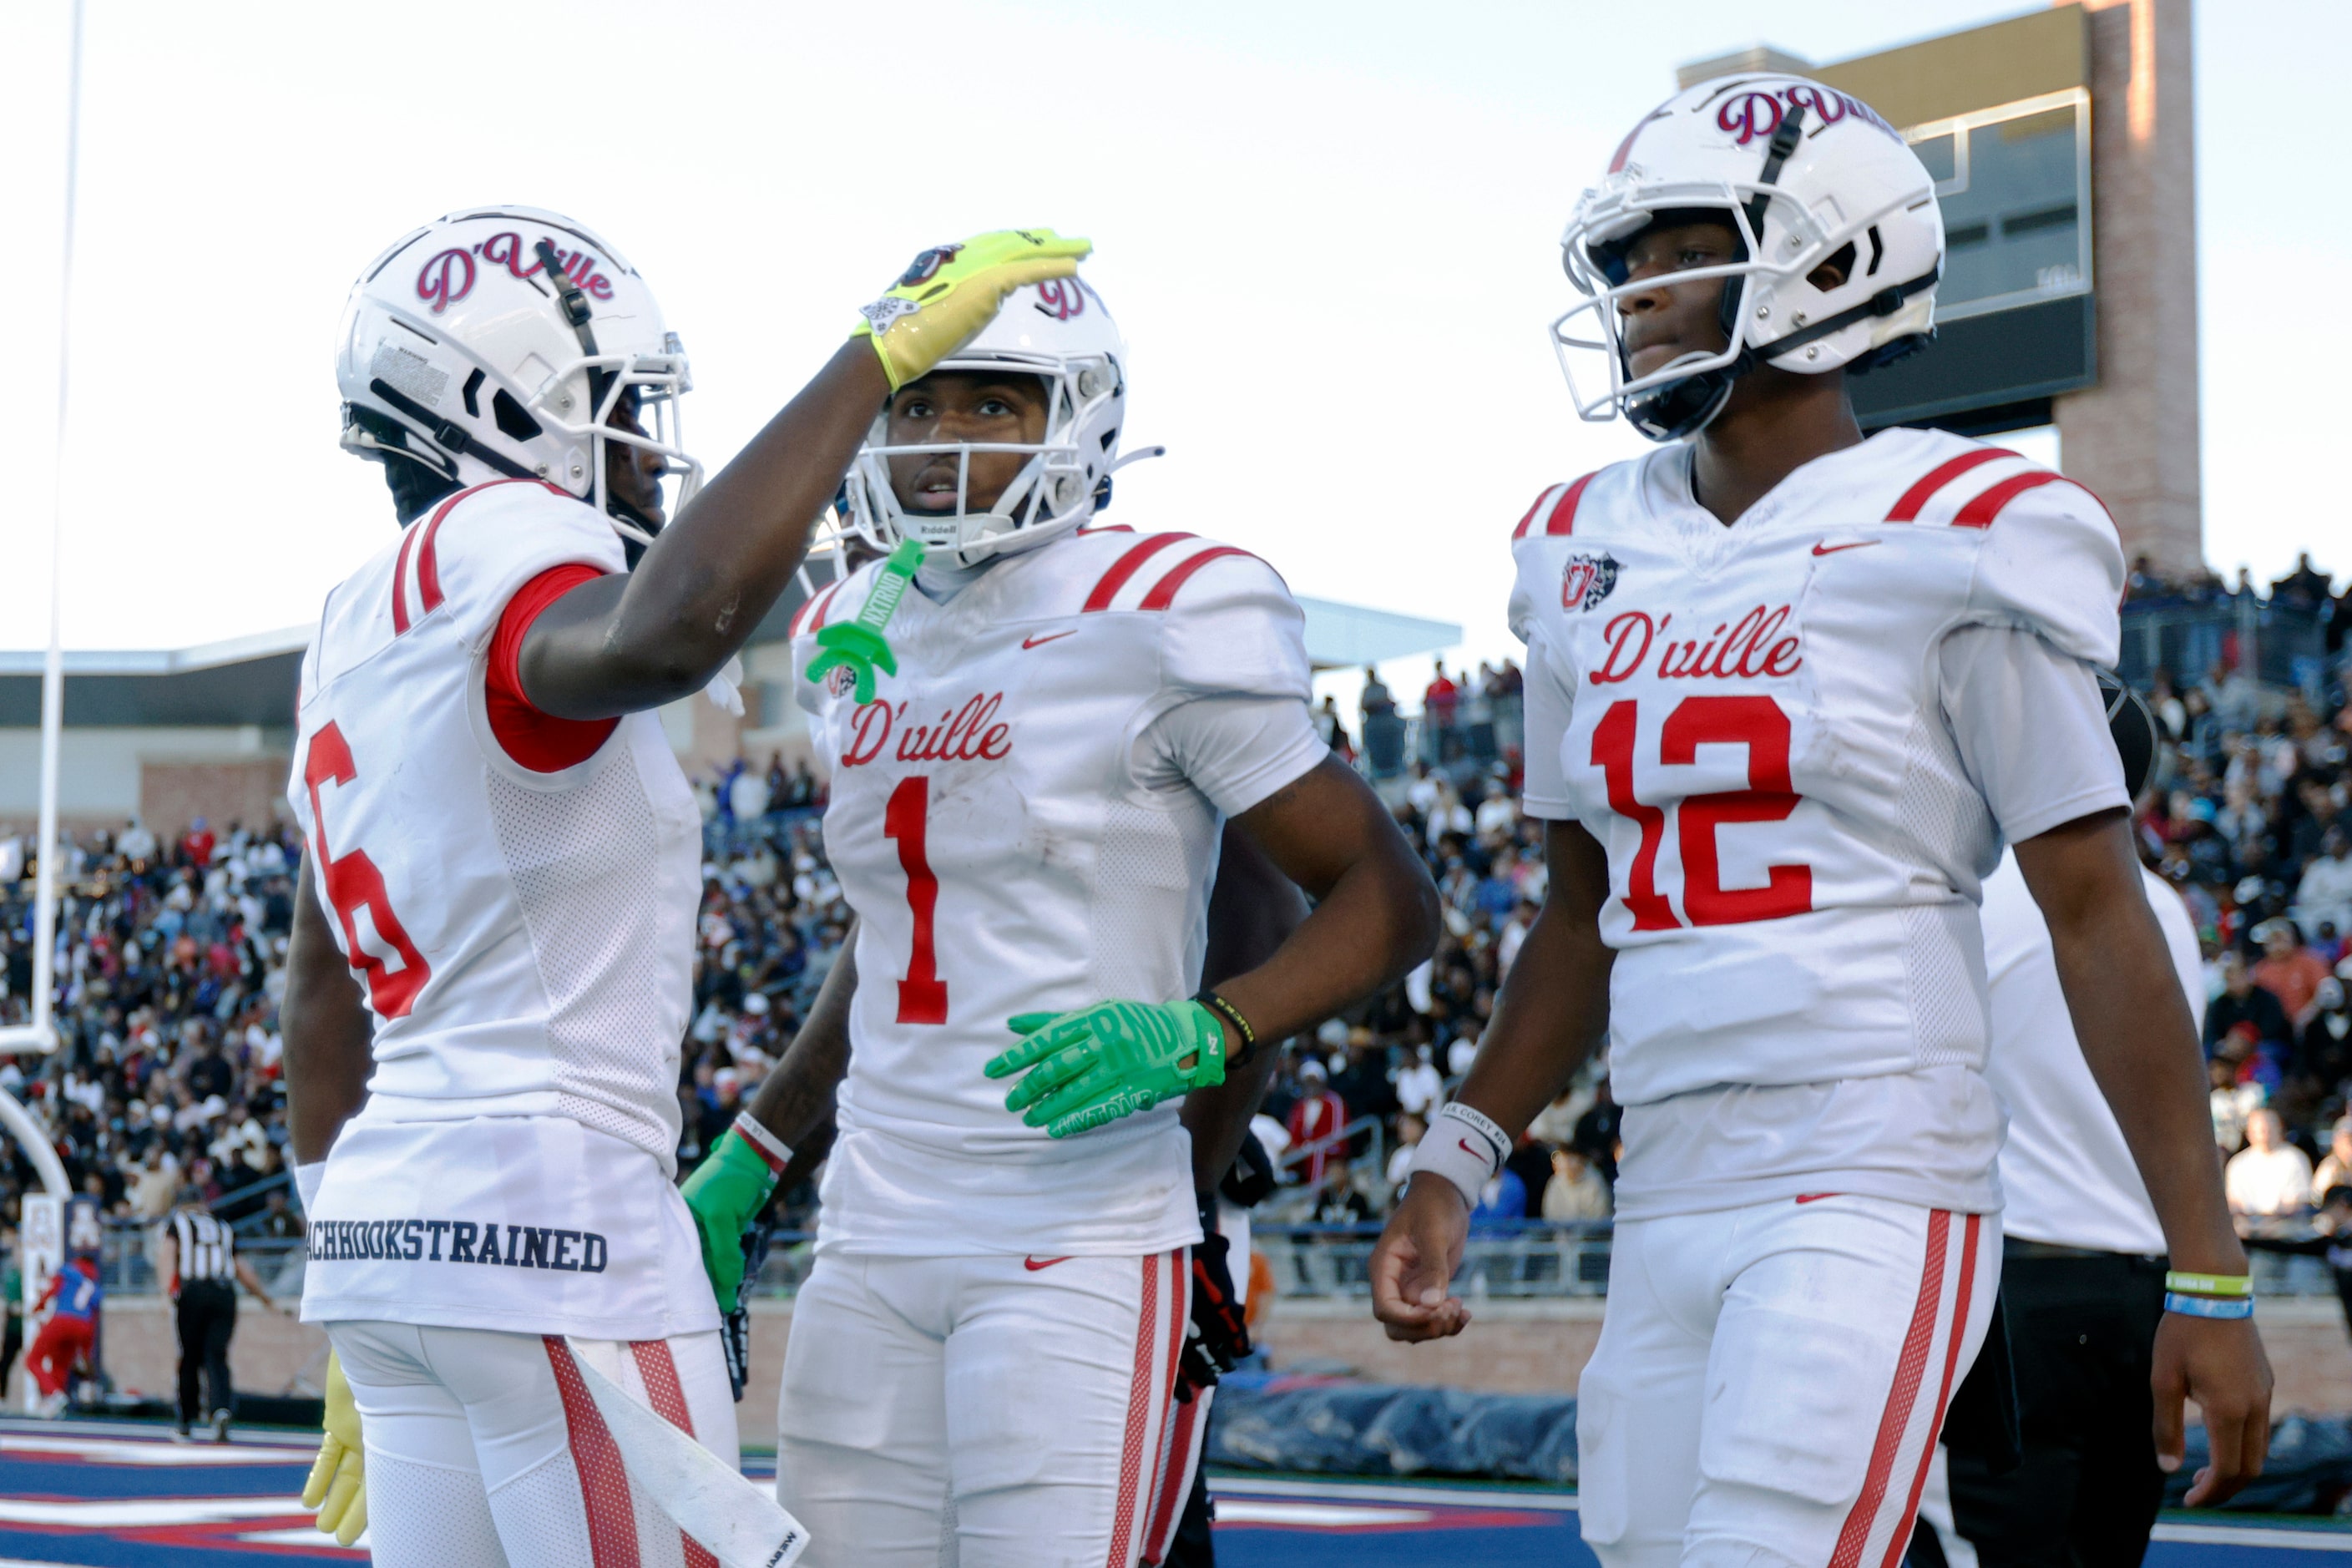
(198, 1260)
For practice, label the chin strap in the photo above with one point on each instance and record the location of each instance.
(1885, 302)
(453, 436)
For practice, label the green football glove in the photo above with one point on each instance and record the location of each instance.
(951, 292)
(338, 1483)
(858, 643)
(725, 1195)
(1109, 1060)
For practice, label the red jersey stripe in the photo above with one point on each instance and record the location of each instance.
(1915, 499)
(1139, 1420)
(1163, 593)
(1980, 512)
(1125, 568)
(823, 604)
(1528, 521)
(399, 583)
(1563, 519)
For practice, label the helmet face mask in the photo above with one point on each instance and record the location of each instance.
(1798, 172)
(1058, 333)
(456, 355)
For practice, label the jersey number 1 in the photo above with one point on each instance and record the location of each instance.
(1756, 723)
(922, 996)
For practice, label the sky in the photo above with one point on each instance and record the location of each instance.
(1330, 231)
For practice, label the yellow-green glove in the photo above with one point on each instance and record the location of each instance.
(725, 1195)
(1109, 1060)
(337, 1487)
(951, 292)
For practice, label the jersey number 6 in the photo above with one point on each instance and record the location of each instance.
(354, 883)
(1756, 723)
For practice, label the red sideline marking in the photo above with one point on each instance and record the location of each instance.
(659, 1369)
(1914, 499)
(604, 1483)
(1910, 1370)
(1895, 1548)
(1139, 1418)
(1980, 512)
(1560, 517)
(1126, 567)
(1163, 593)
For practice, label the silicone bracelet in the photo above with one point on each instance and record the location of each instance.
(2209, 1306)
(2210, 1284)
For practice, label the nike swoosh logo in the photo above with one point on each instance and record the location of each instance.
(1041, 642)
(1034, 1264)
(1826, 549)
(1467, 1148)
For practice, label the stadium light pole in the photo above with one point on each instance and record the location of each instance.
(40, 1034)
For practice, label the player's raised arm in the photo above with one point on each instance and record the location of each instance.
(620, 644)
(1552, 1012)
(2142, 1047)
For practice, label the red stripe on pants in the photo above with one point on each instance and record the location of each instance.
(1895, 1548)
(1139, 1418)
(1910, 1371)
(659, 1370)
(604, 1483)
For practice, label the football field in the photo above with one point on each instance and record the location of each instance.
(123, 1497)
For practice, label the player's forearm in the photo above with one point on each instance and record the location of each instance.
(1253, 910)
(328, 1031)
(1553, 1009)
(1551, 1014)
(2135, 1030)
(661, 633)
(796, 1103)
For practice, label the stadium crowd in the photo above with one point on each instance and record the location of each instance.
(173, 965)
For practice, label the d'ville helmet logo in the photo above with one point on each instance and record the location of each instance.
(449, 276)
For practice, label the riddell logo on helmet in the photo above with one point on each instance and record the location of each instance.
(1749, 115)
(449, 277)
(1061, 298)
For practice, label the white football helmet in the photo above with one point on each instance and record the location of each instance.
(1059, 332)
(1804, 174)
(463, 350)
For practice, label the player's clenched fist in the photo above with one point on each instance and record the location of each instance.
(1109, 1060)
(951, 291)
(1415, 1259)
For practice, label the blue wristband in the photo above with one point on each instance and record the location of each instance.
(2209, 1306)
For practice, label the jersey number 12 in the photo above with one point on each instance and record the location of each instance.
(1755, 722)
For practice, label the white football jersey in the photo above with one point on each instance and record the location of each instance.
(2066, 1174)
(1802, 758)
(1026, 820)
(524, 940)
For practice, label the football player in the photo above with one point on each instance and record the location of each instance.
(489, 974)
(1026, 820)
(1788, 691)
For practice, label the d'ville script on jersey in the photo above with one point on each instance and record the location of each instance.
(966, 734)
(1751, 646)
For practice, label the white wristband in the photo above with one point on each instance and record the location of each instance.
(771, 1148)
(307, 1180)
(1463, 1145)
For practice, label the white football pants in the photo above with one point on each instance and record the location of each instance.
(1188, 1422)
(1770, 1380)
(999, 1412)
(484, 1449)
